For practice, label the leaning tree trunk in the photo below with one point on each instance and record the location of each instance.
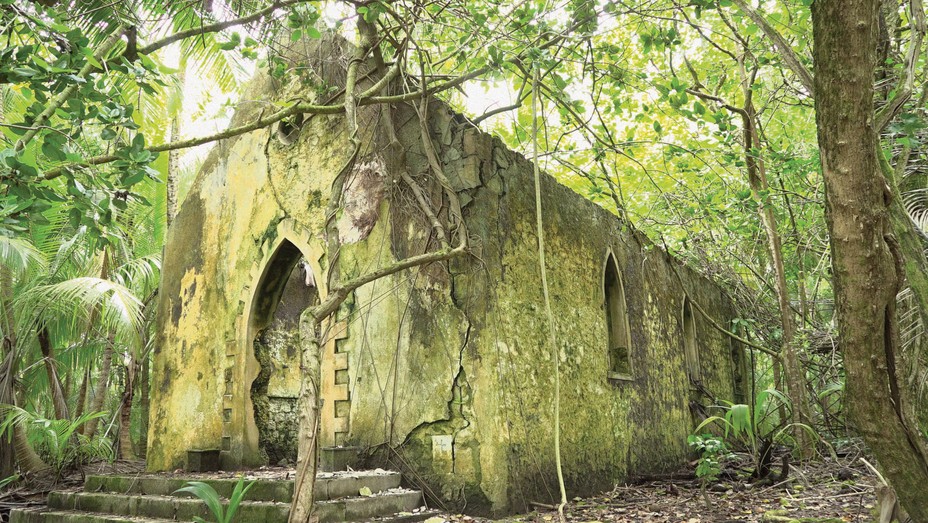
(792, 369)
(868, 267)
(18, 450)
(7, 363)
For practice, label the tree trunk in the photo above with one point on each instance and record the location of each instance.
(757, 179)
(125, 412)
(174, 155)
(29, 463)
(301, 510)
(18, 451)
(99, 394)
(144, 405)
(82, 398)
(868, 268)
(59, 401)
(7, 451)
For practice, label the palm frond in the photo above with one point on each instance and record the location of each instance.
(140, 273)
(19, 255)
(120, 310)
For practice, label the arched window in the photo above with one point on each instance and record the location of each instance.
(690, 348)
(616, 322)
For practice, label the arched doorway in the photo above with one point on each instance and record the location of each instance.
(286, 288)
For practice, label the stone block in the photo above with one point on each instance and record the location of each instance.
(366, 508)
(202, 460)
(338, 458)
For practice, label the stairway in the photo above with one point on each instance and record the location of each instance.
(151, 498)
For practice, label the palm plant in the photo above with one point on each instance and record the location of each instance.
(758, 427)
(61, 446)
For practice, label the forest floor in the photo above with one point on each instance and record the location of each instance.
(829, 490)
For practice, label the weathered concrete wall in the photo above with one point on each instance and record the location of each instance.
(219, 263)
(447, 364)
(463, 381)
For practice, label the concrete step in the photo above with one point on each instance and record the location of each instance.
(357, 508)
(327, 515)
(151, 499)
(164, 507)
(70, 516)
(366, 508)
(419, 514)
(329, 486)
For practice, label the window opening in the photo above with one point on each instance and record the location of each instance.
(690, 348)
(617, 322)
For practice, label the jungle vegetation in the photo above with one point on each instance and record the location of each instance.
(776, 145)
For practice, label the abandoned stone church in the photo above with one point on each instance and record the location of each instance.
(442, 370)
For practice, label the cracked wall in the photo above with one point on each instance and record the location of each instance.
(445, 368)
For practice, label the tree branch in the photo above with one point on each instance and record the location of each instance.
(907, 81)
(64, 95)
(781, 45)
(216, 27)
(715, 324)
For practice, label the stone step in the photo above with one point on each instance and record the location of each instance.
(328, 485)
(70, 516)
(365, 508)
(164, 507)
(357, 508)
(419, 514)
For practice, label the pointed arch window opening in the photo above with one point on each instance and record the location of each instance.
(617, 324)
(690, 345)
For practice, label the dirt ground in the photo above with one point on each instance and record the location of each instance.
(829, 490)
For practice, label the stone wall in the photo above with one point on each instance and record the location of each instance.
(444, 370)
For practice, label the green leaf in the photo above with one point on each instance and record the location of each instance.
(53, 150)
(25, 71)
(138, 142)
(206, 493)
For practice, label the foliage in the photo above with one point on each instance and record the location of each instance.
(8, 481)
(757, 426)
(640, 113)
(222, 513)
(57, 440)
(712, 452)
